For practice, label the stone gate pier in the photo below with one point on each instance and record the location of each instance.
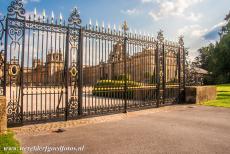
(3, 115)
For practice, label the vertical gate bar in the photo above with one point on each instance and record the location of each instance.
(36, 72)
(80, 71)
(105, 71)
(22, 70)
(157, 74)
(179, 73)
(27, 80)
(184, 75)
(67, 75)
(85, 80)
(5, 56)
(125, 72)
(164, 73)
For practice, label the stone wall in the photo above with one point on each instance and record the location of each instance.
(200, 94)
(3, 120)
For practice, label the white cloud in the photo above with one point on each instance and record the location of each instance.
(220, 24)
(26, 1)
(174, 8)
(193, 37)
(192, 31)
(146, 1)
(213, 33)
(198, 32)
(197, 36)
(130, 11)
(194, 17)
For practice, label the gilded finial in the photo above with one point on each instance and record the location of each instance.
(125, 26)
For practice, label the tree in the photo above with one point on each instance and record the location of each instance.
(205, 53)
(227, 17)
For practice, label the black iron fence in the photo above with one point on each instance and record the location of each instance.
(57, 70)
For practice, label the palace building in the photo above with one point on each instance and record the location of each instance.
(141, 67)
(40, 73)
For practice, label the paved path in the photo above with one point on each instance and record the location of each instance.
(175, 129)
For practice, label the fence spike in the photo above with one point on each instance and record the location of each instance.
(114, 27)
(61, 17)
(35, 11)
(44, 13)
(109, 27)
(52, 15)
(96, 23)
(90, 22)
(119, 28)
(103, 24)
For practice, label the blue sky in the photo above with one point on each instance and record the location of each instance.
(198, 20)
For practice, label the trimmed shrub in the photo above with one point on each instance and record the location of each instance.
(115, 88)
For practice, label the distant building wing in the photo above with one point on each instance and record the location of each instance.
(200, 71)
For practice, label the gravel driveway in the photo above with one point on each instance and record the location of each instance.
(175, 129)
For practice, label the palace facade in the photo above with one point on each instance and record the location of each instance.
(141, 67)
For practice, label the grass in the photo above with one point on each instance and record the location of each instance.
(223, 97)
(8, 141)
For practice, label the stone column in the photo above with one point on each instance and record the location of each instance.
(3, 119)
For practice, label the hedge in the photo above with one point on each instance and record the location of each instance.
(115, 88)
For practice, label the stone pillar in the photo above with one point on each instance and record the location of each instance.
(3, 119)
(200, 94)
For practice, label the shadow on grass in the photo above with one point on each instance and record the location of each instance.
(224, 95)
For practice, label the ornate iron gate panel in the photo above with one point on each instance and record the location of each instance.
(103, 48)
(142, 69)
(73, 63)
(53, 70)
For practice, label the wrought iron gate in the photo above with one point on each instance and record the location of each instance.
(53, 70)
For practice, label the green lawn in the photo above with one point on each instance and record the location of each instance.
(223, 97)
(9, 142)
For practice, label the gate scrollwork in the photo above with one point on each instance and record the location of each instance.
(16, 9)
(15, 39)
